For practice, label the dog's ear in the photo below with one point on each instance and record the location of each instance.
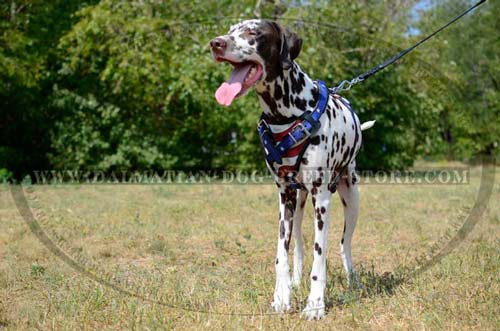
(290, 45)
(294, 44)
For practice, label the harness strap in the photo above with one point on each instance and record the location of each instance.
(307, 125)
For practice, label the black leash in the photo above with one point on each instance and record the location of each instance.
(387, 63)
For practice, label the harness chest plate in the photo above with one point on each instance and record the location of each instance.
(284, 149)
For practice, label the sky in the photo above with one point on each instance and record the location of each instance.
(421, 5)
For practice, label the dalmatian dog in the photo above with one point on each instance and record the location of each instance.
(262, 54)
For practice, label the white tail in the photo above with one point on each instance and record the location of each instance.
(367, 125)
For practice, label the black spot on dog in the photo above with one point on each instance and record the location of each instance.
(282, 229)
(320, 225)
(282, 197)
(286, 89)
(317, 248)
(323, 210)
(278, 92)
(300, 103)
(251, 42)
(343, 202)
(315, 140)
(305, 161)
(277, 261)
(345, 120)
(335, 104)
(314, 278)
(302, 81)
(298, 83)
(266, 96)
(346, 158)
(314, 191)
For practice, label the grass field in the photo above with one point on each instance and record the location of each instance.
(201, 257)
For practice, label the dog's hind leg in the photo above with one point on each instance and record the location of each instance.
(315, 308)
(298, 254)
(348, 193)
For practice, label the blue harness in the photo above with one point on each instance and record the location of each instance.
(307, 125)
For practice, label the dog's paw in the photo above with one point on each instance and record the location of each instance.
(280, 307)
(315, 309)
(281, 302)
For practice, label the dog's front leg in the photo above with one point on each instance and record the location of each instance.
(315, 308)
(287, 202)
(298, 254)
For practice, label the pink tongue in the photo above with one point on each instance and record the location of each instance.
(226, 93)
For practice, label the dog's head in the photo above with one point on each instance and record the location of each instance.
(258, 50)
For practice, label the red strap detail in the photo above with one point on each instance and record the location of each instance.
(283, 171)
(280, 135)
(292, 152)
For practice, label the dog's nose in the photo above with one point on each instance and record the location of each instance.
(218, 44)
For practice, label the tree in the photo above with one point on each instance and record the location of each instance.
(117, 84)
(29, 30)
(469, 54)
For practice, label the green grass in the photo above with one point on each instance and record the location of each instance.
(189, 248)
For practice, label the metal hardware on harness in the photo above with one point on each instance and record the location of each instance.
(393, 59)
(307, 125)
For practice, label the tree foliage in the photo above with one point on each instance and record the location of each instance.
(470, 55)
(117, 84)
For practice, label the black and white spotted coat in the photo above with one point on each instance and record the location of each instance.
(285, 92)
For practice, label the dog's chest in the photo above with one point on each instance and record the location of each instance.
(330, 149)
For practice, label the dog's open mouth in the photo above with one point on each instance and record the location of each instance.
(244, 75)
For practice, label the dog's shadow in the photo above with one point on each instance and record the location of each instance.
(366, 283)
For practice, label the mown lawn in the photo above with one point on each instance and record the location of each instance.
(201, 257)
